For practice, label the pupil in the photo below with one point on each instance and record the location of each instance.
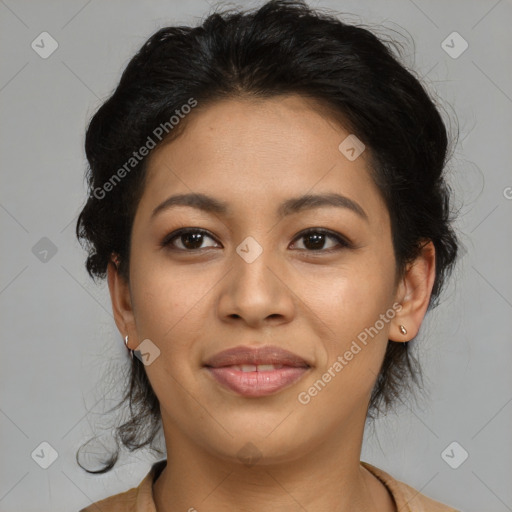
(318, 241)
(195, 237)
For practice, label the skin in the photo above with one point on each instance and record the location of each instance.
(254, 155)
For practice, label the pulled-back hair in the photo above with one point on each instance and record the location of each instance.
(280, 48)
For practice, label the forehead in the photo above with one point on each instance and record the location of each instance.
(255, 151)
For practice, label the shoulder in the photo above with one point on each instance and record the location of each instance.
(407, 499)
(136, 499)
(123, 502)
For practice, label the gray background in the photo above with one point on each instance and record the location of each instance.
(62, 356)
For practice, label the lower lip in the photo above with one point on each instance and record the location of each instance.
(256, 384)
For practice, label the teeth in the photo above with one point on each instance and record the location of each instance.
(258, 368)
(248, 367)
(267, 367)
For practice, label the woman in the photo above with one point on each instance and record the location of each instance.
(267, 202)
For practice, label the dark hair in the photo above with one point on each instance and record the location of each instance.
(282, 47)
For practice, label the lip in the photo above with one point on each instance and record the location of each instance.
(224, 368)
(269, 354)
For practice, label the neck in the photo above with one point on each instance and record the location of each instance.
(325, 477)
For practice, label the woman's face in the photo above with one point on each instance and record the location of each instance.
(256, 279)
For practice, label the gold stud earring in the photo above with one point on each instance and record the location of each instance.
(403, 330)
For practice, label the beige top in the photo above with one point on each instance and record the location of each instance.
(140, 499)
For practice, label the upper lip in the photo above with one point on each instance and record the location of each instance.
(262, 355)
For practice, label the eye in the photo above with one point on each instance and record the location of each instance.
(315, 239)
(191, 239)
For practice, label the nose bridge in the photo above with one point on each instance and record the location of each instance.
(252, 260)
(255, 292)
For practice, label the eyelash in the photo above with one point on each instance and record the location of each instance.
(343, 243)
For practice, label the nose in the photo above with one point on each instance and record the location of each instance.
(256, 292)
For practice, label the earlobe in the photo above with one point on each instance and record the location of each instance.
(121, 300)
(414, 295)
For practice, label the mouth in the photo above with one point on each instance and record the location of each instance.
(256, 372)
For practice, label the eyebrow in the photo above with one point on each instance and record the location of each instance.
(290, 206)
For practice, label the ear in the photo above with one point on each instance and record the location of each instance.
(120, 297)
(413, 293)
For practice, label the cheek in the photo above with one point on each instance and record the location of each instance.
(168, 312)
(167, 298)
(354, 299)
(346, 375)
(173, 309)
(356, 305)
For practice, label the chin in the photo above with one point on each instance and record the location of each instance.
(259, 445)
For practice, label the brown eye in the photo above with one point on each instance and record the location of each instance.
(190, 239)
(315, 239)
